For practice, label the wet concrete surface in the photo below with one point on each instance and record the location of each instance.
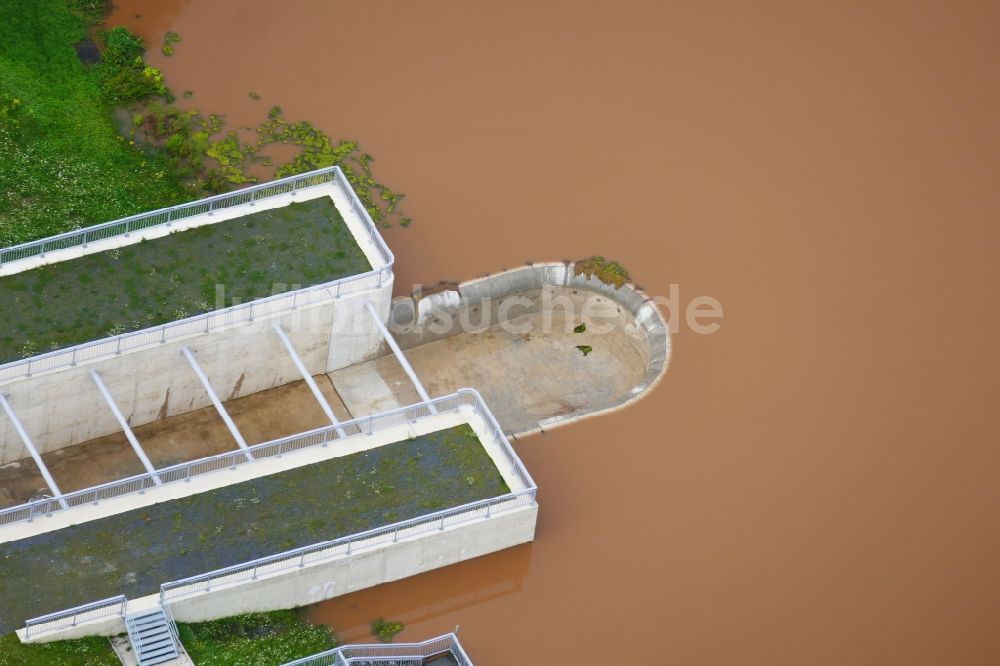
(528, 369)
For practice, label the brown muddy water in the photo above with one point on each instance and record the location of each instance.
(815, 483)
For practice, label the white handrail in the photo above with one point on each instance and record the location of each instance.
(395, 653)
(214, 319)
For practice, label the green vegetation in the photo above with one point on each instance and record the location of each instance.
(64, 163)
(73, 155)
(580, 328)
(386, 630)
(169, 40)
(92, 651)
(174, 277)
(607, 271)
(257, 639)
(134, 552)
(585, 349)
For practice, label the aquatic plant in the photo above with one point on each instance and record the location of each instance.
(386, 630)
(607, 271)
(125, 77)
(169, 39)
(121, 47)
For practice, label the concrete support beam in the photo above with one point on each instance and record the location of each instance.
(310, 382)
(217, 403)
(387, 336)
(129, 435)
(33, 451)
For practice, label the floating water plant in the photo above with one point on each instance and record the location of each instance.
(386, 630)
(607, 271)
(169, 40)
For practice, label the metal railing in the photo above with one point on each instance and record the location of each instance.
(392, 533)
(172, 624)
(300, 557)
(273, 449)
(74, 616)
(397, 654)
(344, 546)
(208, 321)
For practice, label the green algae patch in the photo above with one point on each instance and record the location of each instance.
(386, 630)
(255, 639)
(609, 272)
(94, 651)
(177, 276)
(134, 552)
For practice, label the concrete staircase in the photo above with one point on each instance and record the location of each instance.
(151, 638)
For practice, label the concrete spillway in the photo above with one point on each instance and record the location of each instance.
(510, 336)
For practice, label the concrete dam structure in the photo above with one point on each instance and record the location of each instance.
(268, 398)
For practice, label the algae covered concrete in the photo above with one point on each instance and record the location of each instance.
(134, 552)
(176, 276)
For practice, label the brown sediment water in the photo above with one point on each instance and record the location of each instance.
(814, 483)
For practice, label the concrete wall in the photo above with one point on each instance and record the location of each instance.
(64, 407)
(349, 573)
(338, 576)
(414, 322)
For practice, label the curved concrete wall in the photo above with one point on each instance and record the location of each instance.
(416, 322)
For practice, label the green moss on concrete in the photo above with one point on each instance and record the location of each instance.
(255, 639)
(177, 276)
(133, 553)
(83, 652)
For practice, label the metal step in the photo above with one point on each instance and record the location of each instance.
(151, 637)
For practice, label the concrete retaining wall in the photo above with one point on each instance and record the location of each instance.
(344, 574)
(382, 564)
(64, 407)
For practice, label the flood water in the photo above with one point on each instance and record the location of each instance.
(816, 482)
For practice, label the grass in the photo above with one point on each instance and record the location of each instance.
(173, 277)
(64, 163)
(134, 552)
(256, 639)
(93, 651)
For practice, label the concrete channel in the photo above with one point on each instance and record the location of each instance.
(510, 336)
